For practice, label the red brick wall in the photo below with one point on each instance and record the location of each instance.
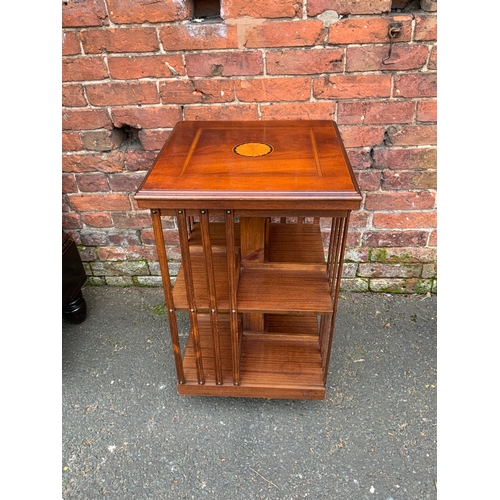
(142, 66)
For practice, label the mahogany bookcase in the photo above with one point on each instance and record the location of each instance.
(257, 278)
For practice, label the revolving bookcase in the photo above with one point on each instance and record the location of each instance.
(261, 210)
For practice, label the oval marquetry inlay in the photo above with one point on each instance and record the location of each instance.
(253, 149)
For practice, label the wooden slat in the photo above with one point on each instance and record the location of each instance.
(217, 235)
(301, 243)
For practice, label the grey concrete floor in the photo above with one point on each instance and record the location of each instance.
(127, 434)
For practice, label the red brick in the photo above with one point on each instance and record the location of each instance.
(103, 238)
(352, 86)
(130, 220)
(71, 221)
(137, 159)
(299, 111)
(83, 68)
(71, 141)
(150, 117)
(433, 239)
(72, 96)
(410, 238)
(85, 119)
(94, 219)
(401, 200)
(408, 158)
(410, 254)
(98, 202)
(432, 64)
(359, 219)
(120, 40)
(261, 8)
(121, 94)
(228, 112)
(89, 183)
(107, 162)
(284, 34)
(111, 253)
(199, 36)
(427, 111)
(375, 112)
(70, 43)
(368, 180)
(196, 91)
(147, 252)
(171, 237)
(273, 89)
(69, 184)
(81, 13)
(315, 7)
(125, 182)
(304, 61)
(369, 58)
(404, 220)
(417, 135)
(131, 67)
(361, 136)
(103, 140)
(368, 30)
(360, 159)
(224, 63)
(153, 140)
(425, 28)
(141, 11)
(415, 85)
(412, 179)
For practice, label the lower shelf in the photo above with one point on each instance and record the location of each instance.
(272, 365)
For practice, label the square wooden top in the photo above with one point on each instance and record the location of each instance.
(252, 164)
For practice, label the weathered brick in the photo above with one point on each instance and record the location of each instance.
(138, 159)
(119, 268)
(360, 159)
(415, 85)
(96, 219)
(87, 254)
(224, 63)
(354, 285)
(83, 68)
(260, 8)
(69, 184)
(369, 112)
(196, 36)
(359, 219)
(404, 220)
(227, 112)
(71, 221)
(128, 220)
(425, 28)
(409, 238)
(433, 238)
(171, 237)
(412, 135)
(196, 91)
(304, 61)
(92, 182)
(273, 89)
(367, 30)
(352, 86)
(361, 136)
(140, 11)
(400, 200)
(103, 140)
(82, 13)
(111, 253)
(368, 180)
(427, 111)
(70, 43)
(148, 117)
(121, 94)
(356, 254)
(152, 66)
(421, 158)
(85, 119)
(120, 40)
(400, 285)
(107, 162)
(369, 57)
(99, 202)
(125, 182)
(143, 252)
(432, 64)
(153, 140)
(71, 141)
(412, 179)
(72, 96)
(376, 270)
(284, 34)
(315, 7)
(402, 254)
(429, 271)
(298, 111)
